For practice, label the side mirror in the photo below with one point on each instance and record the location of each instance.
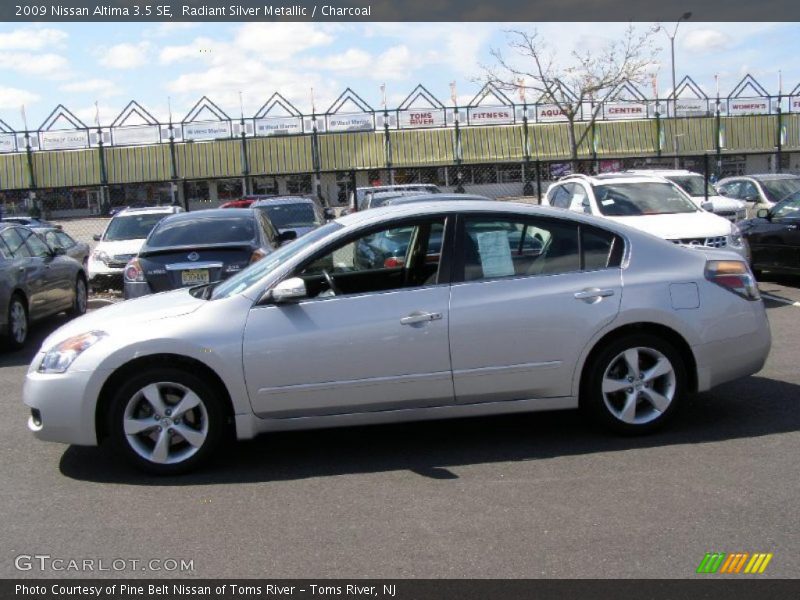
(288, 290)
(751, 199)
(709, 206)
(329, 213)
(763, 213)
(96, 237)
(287, 236)
(58, 251)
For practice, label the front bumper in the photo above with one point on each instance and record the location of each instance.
(64, 403)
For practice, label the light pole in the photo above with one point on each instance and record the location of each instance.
(684, 17)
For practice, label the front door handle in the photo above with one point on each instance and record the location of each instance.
(420, 317)
(593, 294)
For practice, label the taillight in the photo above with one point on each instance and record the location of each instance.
(133, 271)
(393, 262)
(257, 256)
(734, 276)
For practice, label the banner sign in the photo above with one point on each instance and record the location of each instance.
(279, 126)
(422, 117)
(548, 113)
(135, 134)
(690, 107)
(206, 130)
(351, 122)
(625, 110)
(62, 139)
(748, 106)
(7, 142)
(493, 115)
(794, 104)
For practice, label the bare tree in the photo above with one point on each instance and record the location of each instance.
(589, 78)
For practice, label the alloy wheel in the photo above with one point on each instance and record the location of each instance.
(639, 385)
(18, 322)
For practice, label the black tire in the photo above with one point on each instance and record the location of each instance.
(17, 309)
(79, 303)
(610, 408)
(129, 402)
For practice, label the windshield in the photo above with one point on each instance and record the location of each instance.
(200, 230)
(636, 199)
(693, 185)
(257, 271)
(789, 208)
(286, 216)
(131, 227)
(777, 189)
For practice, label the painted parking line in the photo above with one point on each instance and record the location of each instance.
(779, 299)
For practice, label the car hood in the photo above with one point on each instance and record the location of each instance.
(679, 226)
(129, 315)
(120, 247)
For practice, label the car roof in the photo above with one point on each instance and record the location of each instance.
(663, 172)
(762, 176)
(282, 200)
(148, 210)
(397, 186)
(214, 213)
(405, 199)
(623, 177)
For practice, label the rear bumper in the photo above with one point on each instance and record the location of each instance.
(136, 289)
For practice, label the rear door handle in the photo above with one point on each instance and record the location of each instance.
(420, 317)
(593, 294)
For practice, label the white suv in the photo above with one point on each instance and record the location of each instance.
(695, 185)
(121, 241)
(652, 204)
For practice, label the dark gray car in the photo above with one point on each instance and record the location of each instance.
(55, 238)
(36, 281)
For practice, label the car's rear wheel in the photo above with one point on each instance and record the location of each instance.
(17, 322)
(166, 421)
(79, 303)
(634, 384)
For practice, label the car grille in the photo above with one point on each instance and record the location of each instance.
(118, 261)
(711, 242)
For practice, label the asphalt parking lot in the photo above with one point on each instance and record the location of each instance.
(541, 495)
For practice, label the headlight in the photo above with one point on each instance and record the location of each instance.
(60, 357)
(101, 256)
(736, 236)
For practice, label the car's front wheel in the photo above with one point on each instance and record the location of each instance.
(17, 322)
(166, 420)
(634, 384)
(80, 300)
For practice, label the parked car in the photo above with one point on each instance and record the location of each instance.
(774, 237)
(649, 203)
(760, 190)
(121, 240)
(305, 338)
(30, 222)
(56, 238)
(246, 201)
(200, 247)
(36, 281)
(695, 185)
(294, 213)
(361, 199)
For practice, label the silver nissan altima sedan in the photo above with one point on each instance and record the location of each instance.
(418, 311)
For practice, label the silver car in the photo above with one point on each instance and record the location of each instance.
(494, 308)
(36, 281)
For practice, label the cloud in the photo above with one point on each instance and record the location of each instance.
(103, 87)
(163, 30)
(32, 38)
(14, 98)
(706, 40)
(51, 66)
(125, 55)
(88, 114)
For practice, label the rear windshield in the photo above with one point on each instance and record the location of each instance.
(131, 227)
(286, 216)
(203, 231)
(635, 199)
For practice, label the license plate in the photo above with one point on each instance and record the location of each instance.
(194, 277)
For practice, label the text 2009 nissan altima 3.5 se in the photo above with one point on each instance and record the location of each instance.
(494, 308)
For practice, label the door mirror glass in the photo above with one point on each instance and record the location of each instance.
(709, 206)
(59, 251)
(763, 213)
(329, 214)
(96, 237)
(288, 290)
(287, 236)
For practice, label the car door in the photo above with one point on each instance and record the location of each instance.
(520, 317)
(775, 242)
(30, 271)
(379, 343)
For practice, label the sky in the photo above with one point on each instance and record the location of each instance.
(80, 64)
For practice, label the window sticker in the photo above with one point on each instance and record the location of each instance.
(495, 254)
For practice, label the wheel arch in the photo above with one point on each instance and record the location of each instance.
(657, 329)
(118, 376)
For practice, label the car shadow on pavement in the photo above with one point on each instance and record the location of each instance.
(752, 407)
(37, 334)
